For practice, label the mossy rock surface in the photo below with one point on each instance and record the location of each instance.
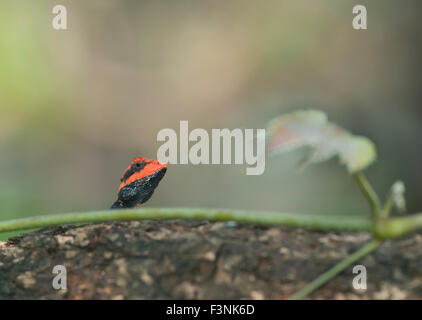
(201, 260)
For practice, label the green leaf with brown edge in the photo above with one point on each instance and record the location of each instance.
(311, 128)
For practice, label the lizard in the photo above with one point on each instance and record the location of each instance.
(138, 182)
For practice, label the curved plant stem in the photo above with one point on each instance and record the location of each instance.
(397, 227)
(388, 205)
(331, 273)
(369, 194)
(256, 217)
(384, 229)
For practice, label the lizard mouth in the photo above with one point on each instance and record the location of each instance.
(158, 174)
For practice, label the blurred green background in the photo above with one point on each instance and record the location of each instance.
(77, 105)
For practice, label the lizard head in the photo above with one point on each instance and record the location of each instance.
(138, 182)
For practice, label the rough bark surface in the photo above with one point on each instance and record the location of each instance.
(200, 260)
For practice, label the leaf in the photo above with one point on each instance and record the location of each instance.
(311, 128)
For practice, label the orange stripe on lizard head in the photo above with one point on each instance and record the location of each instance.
(135, 160)
(140, 168)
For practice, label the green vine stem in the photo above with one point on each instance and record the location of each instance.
(369, 194)
(331, 273)
(388, 205)
(397, 227)
(384, 229)
(257, 217)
